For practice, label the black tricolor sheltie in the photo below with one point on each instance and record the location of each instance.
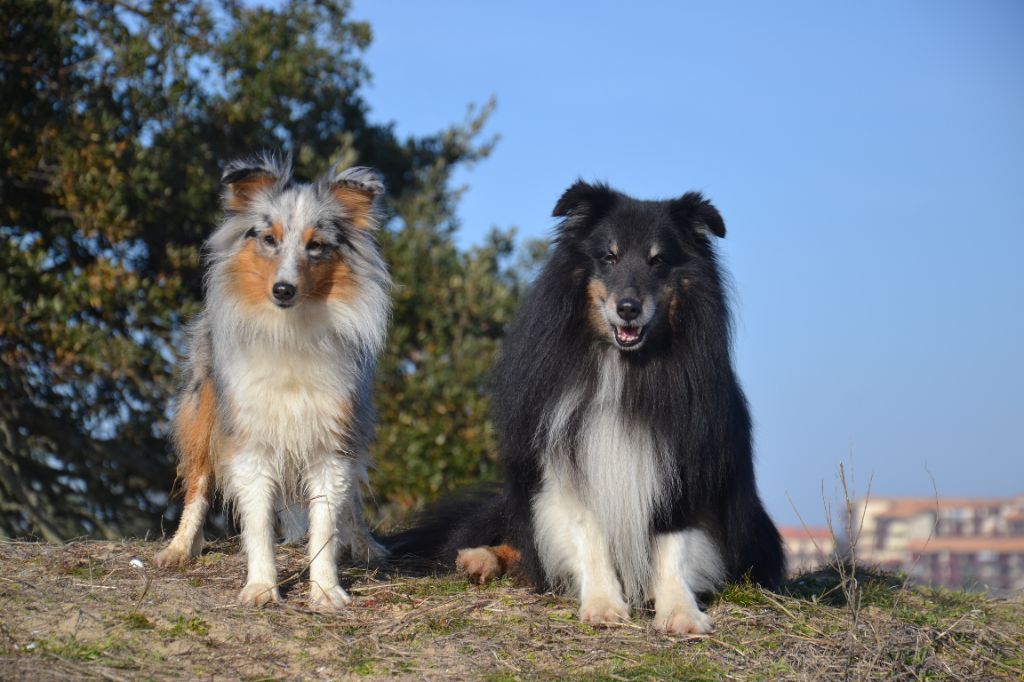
(624, 434)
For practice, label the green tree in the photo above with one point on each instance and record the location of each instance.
(115, 119)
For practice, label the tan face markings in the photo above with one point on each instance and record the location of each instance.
(614, 248)
(597, 292)
(676, 302)
(358, 204)
(328, 279)
(252, 274)
(343, 283)
(193, 429)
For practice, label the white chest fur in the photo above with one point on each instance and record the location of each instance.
(289, 403)
(617, 478)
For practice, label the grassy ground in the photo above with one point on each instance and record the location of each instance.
(84, 611)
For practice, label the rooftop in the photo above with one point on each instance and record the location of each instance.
(1011, 545)
(805, 533)
(898, 507)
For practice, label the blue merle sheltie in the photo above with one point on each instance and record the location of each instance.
(624, 434)
(275, 405)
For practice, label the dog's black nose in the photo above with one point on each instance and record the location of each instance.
(628, 309)
(284, 292)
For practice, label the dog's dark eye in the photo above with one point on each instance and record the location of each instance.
(269, 240)
(610, 258)
(250, 233)
(315, 248)
(656, 260)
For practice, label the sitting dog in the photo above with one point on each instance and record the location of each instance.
(624, 434)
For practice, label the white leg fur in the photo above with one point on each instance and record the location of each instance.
(685, 562)
(187, 542)
(251, 488)
(573, 548)
(329, 483)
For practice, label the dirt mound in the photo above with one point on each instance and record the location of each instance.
(102, 610)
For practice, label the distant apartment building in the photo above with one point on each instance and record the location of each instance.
(807, 547)
(953, 541)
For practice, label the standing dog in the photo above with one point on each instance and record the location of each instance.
(625, 436)
(275, 404)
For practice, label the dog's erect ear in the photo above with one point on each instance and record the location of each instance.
(358, 189)
(243, 179)
(692, 211)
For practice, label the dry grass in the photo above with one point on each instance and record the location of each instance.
(82, 611)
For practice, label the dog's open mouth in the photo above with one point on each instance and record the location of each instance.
(628, 336)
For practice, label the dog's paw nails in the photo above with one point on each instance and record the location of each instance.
(683, 621)
(172, 557)
(258, 594)
(328, 600)
(479, 564)
(604, 611)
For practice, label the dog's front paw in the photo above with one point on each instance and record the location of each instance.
(173, 557)
(602, 611)
(258, 594)
(328, 600)
(682, 620)
(479, 563)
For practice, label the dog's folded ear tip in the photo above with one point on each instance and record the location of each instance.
(358, 189)
(245, 177)
(583, 199)
(360, 178)
(694, 211)
(266, 163)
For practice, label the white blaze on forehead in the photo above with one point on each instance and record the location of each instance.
(297, 210)
(288, 266)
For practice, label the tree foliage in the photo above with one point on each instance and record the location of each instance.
(115, 120)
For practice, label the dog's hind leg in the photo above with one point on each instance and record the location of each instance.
(187, 542)
(481, 564)
(293, 522)
(685, 562)
(328, 482)
(193, 428)
(357, 542)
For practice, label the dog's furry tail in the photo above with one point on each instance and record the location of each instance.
(475, 517)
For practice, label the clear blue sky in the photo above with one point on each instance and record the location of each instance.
(869, 161)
